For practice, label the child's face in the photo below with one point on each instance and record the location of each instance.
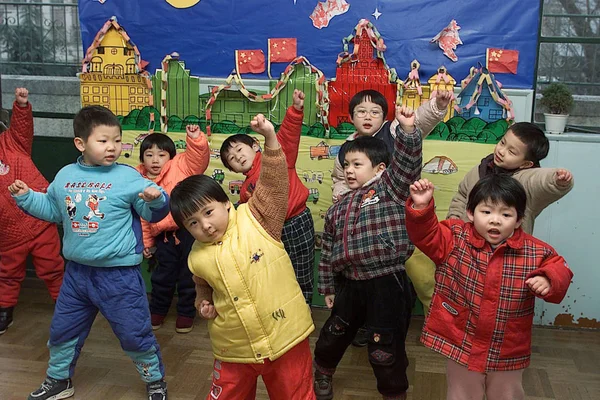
(510, 152)
(240, 157)
(358, 169)
(367, 118)
(209, 224)
(102, 147)
(494, 222)
(154, 161)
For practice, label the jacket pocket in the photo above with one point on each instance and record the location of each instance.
(447, 320)
(517, 337)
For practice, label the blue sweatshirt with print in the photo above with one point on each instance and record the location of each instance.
(99, 208)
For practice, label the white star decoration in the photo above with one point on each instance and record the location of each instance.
(376, 14)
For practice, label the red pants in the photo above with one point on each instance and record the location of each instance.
(287, 378)
(49, 266)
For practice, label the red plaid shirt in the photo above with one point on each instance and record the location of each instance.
(482, 311)
(365, 232)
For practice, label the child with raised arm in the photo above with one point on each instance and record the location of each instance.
(259, 322)
(23, 234)
(103, 246)
(489, 272)
(162, 165)
(240, 153)
(361, 271)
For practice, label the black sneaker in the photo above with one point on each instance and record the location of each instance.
(323, 386)
(157, 390)
(361, 339)
(53, 389)
(6, 319)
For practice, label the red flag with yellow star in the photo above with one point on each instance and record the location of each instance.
(502, 61)
(250, 61)
(282, 50)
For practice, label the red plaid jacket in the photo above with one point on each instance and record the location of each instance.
(482, 311)
(365, 232)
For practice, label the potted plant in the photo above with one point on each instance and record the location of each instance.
(558, 100)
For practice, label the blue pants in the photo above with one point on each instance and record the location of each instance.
(120, 295)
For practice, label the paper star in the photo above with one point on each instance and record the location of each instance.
(376, 14)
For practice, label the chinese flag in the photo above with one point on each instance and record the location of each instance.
(250, 61)
(502, 61)
(282, 50)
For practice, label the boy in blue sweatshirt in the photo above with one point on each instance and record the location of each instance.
(99, 204)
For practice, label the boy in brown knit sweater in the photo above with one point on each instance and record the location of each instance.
(246, 287)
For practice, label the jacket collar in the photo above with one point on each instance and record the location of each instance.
(255, 168)
(516, 241)
(373, 179)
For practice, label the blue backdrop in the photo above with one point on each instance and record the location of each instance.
(207, 34)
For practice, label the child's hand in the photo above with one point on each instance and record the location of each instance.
(208, 310)
(421, 193)
(147, 252)
(298, 99)
(264, 127)
(329, 300)
(443, 99)
(563, 177)
(193, 131)
(539, 285)
(18, 188)
(406, 117)
(150, 194)
(21, 96)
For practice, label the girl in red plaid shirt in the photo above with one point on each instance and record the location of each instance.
(489, 272)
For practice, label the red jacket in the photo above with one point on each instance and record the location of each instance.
(16, 163)
(289, 139)
(193, 161)
(482, 311)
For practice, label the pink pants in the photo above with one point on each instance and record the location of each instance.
(469, 385)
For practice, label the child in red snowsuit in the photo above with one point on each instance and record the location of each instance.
(21, 233)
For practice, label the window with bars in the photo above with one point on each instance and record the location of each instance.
(569, 53)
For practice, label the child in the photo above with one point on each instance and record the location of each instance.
(361, 271)
(104, 253)
(368, 110)
(240, 153)
(258, 320)
(21, 233)
(162, 165)
(518, 153)
(489, 273)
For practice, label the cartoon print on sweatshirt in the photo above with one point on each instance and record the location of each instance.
(71, 207)
(4, 168)
(93, 203)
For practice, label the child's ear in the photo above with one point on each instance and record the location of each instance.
(79, 144)
(255, 147)
(470, 215)
(381, 167)
(526, 164)
(519, 222)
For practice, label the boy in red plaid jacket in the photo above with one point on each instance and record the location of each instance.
(361, 271)
(489, 272)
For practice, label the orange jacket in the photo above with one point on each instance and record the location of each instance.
(193, 161)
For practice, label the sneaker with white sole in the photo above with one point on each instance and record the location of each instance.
(53, 389)
(157, 390)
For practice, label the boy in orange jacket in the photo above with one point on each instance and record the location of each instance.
(163, 240)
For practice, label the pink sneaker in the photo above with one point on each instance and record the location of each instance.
(157, 321)
(184, 324)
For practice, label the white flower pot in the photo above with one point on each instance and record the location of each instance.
(555, 123)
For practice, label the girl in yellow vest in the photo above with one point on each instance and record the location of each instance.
(259, 321)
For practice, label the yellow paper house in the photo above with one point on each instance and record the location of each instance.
(443, 81)
(113, 75)
(413, 93)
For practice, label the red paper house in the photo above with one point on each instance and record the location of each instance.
(362, 70)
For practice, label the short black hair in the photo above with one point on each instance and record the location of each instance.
(375, 149)
(191, 194)
(230, 142)
(90, 117)
(160, 140)
(499, 188)
(534, 138)
(368, 95)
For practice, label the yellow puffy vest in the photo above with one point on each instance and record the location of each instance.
(261, 310)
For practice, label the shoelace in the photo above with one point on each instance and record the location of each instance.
(47, 385)
(157, 391)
